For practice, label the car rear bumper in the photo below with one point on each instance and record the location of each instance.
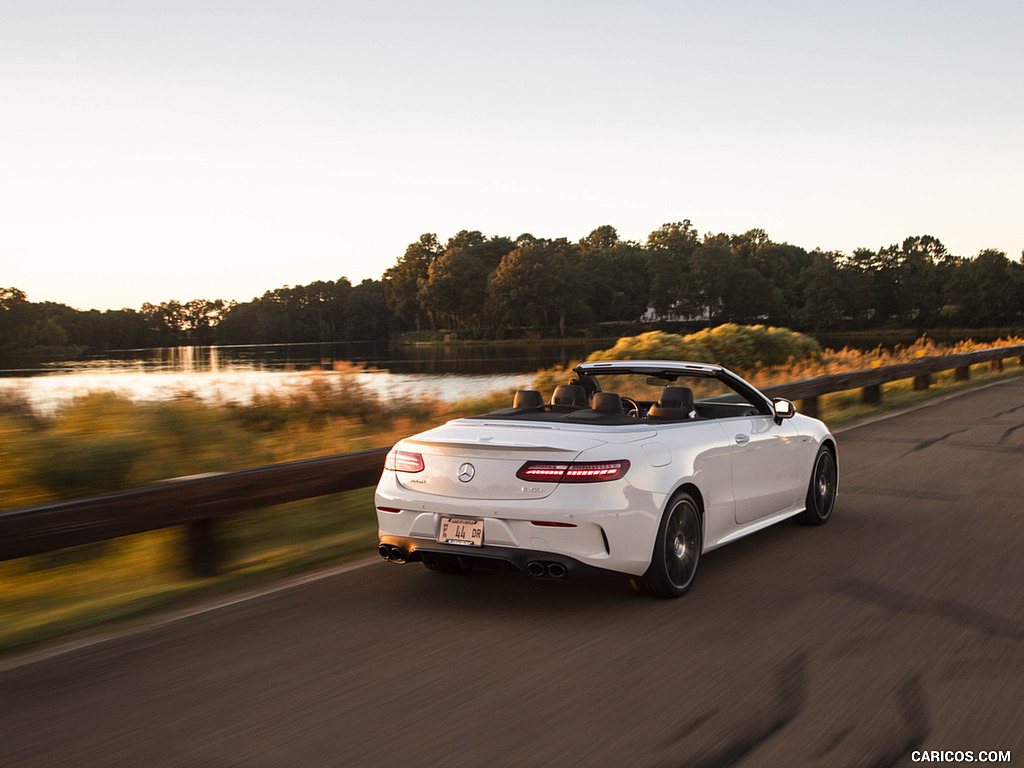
(534, 563)
(609, 526)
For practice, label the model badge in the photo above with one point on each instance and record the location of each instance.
(466, 472)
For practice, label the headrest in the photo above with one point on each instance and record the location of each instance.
(675, 403)
(528, 398)
(676, 397)
(569, 394)
(607, 402)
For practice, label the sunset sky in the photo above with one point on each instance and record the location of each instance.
(153, 150)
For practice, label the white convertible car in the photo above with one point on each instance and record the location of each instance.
(636, 466)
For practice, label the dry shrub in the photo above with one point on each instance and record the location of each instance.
(741, 348)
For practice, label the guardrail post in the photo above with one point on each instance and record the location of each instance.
(203, 549)
(871, 395)
(923, 382)
(995, 365)
(963, 374)
(809, 406)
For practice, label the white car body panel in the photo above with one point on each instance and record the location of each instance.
(748, 471)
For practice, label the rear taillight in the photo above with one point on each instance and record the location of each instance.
(403, 461)
(572, 471)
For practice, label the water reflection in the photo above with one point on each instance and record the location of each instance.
(523, 357)
(236, 372)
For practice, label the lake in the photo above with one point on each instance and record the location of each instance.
(236, 373)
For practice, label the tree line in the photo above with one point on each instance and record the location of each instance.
(496, 285)
(321, 311)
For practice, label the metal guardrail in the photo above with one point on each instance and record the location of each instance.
(198, 502)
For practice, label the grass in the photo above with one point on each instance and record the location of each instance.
(58, 594)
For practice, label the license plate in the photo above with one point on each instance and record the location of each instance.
(462, 531)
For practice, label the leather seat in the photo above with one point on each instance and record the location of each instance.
(675, 404)
(528, 398)
(569, 396)
(607, 402)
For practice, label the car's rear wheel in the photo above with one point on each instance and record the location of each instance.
(821, 495)
(676, 550)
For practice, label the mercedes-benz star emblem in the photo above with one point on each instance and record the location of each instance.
(466, 472)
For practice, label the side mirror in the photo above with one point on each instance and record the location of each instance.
(784, 409)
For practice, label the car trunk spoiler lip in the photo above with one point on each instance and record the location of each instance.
(485, 443)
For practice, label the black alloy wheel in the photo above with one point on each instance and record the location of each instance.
(821, 495)
(676, 551)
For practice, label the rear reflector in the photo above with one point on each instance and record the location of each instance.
(544, 524)
(389, 509)
(403, 461)
(572, 471)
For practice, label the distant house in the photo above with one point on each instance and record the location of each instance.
(675, 315)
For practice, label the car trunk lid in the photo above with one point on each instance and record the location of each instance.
(480, 461)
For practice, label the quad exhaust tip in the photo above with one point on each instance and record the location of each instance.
(539, 569)
(391, 553)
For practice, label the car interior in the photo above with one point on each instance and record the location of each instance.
(583, 401)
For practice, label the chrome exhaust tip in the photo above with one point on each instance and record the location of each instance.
(391, 553)
(556, 571)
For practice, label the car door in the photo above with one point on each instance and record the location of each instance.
(765, 466)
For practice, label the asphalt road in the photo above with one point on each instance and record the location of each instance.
(896, 627)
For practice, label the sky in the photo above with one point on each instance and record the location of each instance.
(152, 151)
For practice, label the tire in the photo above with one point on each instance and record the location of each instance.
(676, 550)
(821, 494)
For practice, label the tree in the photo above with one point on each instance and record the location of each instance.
(535, 283)
(601, 239)
(112, 329)
(454, 290)
(782, 265)
(15, 311)
(678, 236)
(718, 284)
(918, 279)
(402, 281)
(200, 318)
(748, 244)
(456, 287)
(987, 290)
(367, 311)
(670, 250)
(11, 298)
(823, 293)
(616, 282)
(166, 322)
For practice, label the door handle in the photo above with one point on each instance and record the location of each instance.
(742, 439)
